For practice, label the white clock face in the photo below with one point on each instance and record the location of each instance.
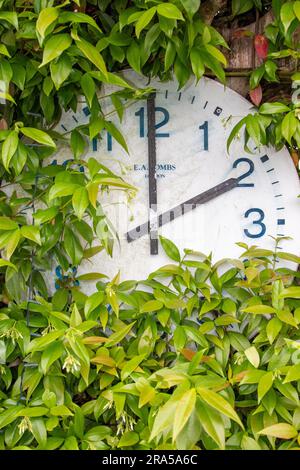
(191, 138)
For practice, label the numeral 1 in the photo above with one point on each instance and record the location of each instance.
(204, 128)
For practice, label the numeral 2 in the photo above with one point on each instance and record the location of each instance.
(245, 175)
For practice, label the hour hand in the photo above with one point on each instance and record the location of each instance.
(182, 209)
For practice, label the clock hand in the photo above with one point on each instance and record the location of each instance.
(152, 184)
(183, 208)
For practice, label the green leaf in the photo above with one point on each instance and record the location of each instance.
(38, 136)
(130, 366)
(9, 148)
(55, 46)
(185, 407)
(144, 20)
(273, 329)
(273, 108)
(133, 55)
(77, 17)
(12, 243)
(8, 224)
(39, 344)
(164, 418)
(34, 411)
(212, 423)
(46, 17)
(151, 306)
(78, 143)
(92, 54)
(128, 439)
(191, 6)
(235, 132)
(287, 15)
(62, 190)
(60, 410)
(291, 292)
(116, 134)
(289, 126)
(253, 356)
(88, 87)
(259, 309)
(297, 9)
(293, 374)
(3, 263)
(50, 354)
(280, 430)
(32, 233)
(92, 302)
(80, 201)
(170, 248)
(116, 337)
(60, 70)
(9, 415)
(264, 385)
(11, 17)
(197, 63)
(217, 402)
(39, 431)
(169, 10)
(72, 246)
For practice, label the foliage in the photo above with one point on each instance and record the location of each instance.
(199, 355)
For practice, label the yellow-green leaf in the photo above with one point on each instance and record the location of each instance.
(219, 403)
(280, 430)
(185, 407)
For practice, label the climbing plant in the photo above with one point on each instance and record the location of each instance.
(136, 364)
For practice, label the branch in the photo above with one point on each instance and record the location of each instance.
(210, 9)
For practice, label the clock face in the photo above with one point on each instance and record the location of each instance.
(192, 128)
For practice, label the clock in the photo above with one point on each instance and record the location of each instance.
(189, 188)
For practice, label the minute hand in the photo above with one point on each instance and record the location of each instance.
(183, 208)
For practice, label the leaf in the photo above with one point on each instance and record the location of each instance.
(291, 293)
(293, 374)
(9, 415)
(80, 201)
(60, 70)
(168, 10)
(8, 224)
(130, 366)
(62, 190)
(38, 136)
(170, 248)
(55, 46)
(273, 328)
(50, 354)
(60, 410)
(77, 17)
(280, 430)
(92, 54)
(11, 17)
(264, 385)
(259, 309)
(133, 55)
(3, 263)
(196, 62)
(39, 344)
(217, 402)
(212, 423)
(164, 418)
(289, 126)
(116, 337)
(12, 243)
(261, 45)
(32, 233)
(72, 246)
(256, 95)
(151, 306)
(252, 356)
(9, 148)
(88, 87)
(46, 17)
(185, 407)
(128, 439)
(297, 9)
(39, 431)
(144, 20)
(92, 302)
(273, 108)
(287, 15)
(34, 411)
